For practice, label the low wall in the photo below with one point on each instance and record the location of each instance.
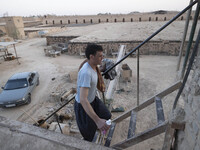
(109, 47)
(59, 39)
(150, 48)
(20, 136)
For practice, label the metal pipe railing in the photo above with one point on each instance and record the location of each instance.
(138, 77)
(188, 70)
(184, 37)
(190, 39)
(150, 37)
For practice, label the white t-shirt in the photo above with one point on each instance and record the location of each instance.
(87, 77)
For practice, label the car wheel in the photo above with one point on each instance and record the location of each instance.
(38, 81)
(29, 99)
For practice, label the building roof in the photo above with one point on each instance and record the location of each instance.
(7, 43)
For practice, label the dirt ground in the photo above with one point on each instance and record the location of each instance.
(156, 74)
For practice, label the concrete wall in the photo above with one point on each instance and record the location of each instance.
(15, 135)
(191, 135)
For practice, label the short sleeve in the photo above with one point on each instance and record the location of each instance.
(85, 80)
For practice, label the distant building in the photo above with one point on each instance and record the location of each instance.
(15, 27)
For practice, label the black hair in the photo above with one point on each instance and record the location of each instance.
(91, 49)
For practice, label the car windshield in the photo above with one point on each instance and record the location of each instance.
(16, 84)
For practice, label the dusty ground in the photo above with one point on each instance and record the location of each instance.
(156, 74)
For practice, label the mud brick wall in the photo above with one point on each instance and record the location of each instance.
(58, 39)
(150, 48)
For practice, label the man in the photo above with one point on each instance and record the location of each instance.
(90, 111)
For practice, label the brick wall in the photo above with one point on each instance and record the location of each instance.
(150, 48)
(109, 47)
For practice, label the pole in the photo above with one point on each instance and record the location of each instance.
(16, 54)
(190, 39)
(138, 76)
(184, 36)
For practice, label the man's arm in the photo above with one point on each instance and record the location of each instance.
(101, 123)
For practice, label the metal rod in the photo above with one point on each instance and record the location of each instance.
(190, 39)
(184, 36)
(56, 111)
(138, 77)
(150, 37)
(188, 69)
(58, 124)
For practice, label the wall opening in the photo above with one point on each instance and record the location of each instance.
(156, 18)
(76, 21)
(99, 20)
(123, 20)
(149, 18)
(165, 19)
(46, 22)
(53, 22)
(83, 20)
(140, 19)
(60, 21)
(107, 20)
(115, 20)
(190, 17)
(131, 19)
(90, 20)
(68, 21)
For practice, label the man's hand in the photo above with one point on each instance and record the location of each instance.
(101, 124)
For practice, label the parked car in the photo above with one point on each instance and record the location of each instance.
(17, 90)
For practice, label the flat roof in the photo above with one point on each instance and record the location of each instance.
(7, 43)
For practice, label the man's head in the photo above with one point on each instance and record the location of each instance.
(92, 49)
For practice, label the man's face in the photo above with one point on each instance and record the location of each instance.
(98, 58)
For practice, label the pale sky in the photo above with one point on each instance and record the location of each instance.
(86, 7)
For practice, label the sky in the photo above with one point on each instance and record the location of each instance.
(86, 7)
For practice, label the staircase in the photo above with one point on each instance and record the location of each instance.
(133, 138)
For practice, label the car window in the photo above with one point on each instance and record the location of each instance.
(16, 84)
(32, 75)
